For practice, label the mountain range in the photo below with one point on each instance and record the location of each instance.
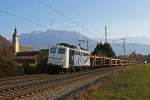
(39, 39)
(45, 39)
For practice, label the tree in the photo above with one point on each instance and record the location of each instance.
(108, 50)
(104, 50)
(7, 66)
(42, 66)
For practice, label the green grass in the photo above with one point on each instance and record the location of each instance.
(133, 84)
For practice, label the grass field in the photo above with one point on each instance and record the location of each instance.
(133, 84)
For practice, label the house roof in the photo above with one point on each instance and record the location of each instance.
(28, 53)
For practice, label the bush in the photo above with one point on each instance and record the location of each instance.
(28, 69)
(9, 69)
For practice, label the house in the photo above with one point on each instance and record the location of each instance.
(27, 58)
(23, 57)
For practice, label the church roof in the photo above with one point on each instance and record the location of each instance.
(23, 48)
(15, 32)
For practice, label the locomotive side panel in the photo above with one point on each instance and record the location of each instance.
(81, 59)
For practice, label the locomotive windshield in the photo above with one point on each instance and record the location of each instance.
(61, 51)
(53, 50)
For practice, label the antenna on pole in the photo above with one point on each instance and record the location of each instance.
(105, 34)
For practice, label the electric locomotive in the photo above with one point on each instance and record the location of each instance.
(65, 57)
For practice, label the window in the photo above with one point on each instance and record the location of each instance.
(77, 53)
(61, 51)
(72, 52)
(81, 53)
(86, 54)
(53, 50)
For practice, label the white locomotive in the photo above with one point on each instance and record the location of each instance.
(68, 57)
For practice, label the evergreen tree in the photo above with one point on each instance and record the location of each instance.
(108, 50)
(104, 50)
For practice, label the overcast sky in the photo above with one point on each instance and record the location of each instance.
(123, 17)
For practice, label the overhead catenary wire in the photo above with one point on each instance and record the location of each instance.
(22, 18)
(38, 24)
(122, 46)
(118, 44)
(66, 17)
(82, 20)
(44, 26)
(26, 19)
(74, 11)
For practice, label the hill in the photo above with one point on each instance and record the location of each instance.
(130, 47)
(4, 41)
(40, 39)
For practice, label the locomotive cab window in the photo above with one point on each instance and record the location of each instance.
(85, 54)
(72, 52)
(53, 50)
(77, 53)
(61, 51)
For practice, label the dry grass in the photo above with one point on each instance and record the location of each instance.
(133, 84)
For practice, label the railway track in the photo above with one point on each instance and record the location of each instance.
(83, 88)
(19, 79)
(28, 85)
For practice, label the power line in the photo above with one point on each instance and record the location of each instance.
(118, 44)
(123, 46)
(56, 25)
(35, 23)
(23, 18)
(74, 11)
(63, 15)
(82, 20)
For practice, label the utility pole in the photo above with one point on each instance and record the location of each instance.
(87, 43)
(124, 46)
(105, 34)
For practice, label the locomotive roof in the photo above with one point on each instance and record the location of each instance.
(66, 45)
(71, 46)
(76, 49)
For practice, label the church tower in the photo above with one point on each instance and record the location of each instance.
(15, 41)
